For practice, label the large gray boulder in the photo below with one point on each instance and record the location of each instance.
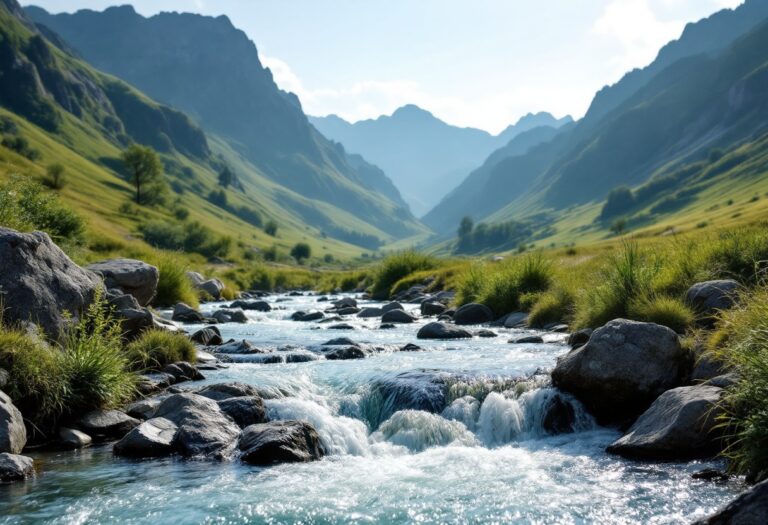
(711, 296)
(133, 277)
(153, 438)
(212, 287)
(222, 391)
(680, 424)
(280, 442)
(72, 439)
(184, 313)
(369, 312)
(204, 430)
(394, 305)
(622, 369)
(750, 508)
(436, 330)
(342, 353)
(13, 433)
(473, 313)
(39, 283)
(134, 319)
(15, 468)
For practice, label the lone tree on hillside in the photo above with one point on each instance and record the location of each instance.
(226, 177)
(270, 228)
(144, 167)
(301, 251)
(56, 176)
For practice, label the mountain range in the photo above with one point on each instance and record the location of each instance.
(703, 92)
(424, 156)
(211, 71)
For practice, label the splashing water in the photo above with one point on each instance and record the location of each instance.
(461, 432)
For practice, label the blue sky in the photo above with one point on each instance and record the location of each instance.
(480, 63)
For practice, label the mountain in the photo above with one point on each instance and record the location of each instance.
(680, 112)
(424, 156)
(207, 68)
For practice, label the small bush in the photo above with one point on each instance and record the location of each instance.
(397, 266)
(173, 286)
(665, 311)
(301, 251)
(190, 237)
(25, 206)
(555, 306)
(56, 176)
(270, 228)
(501, 291)
(157, 348)
(471, 284)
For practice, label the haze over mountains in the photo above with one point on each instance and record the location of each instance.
(424, 156)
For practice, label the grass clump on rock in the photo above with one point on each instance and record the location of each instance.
(156, 348)
(174, 286)
(666, 311)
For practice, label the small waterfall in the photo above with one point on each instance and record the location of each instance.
(418, 430)
(465, 410)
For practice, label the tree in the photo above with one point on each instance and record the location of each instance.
(270, 228)
(620, 201)
(143, 166)
(56, 176)
(301, 251)
(619, 226)
(219, 198)
(226, 177)
(465, 227)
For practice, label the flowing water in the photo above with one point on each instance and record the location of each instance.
(452, 434)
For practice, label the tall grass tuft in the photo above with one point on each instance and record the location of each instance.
(628, 276)
(666, 311)
(501, 288)
(156, 348)
(470, 284)
(174, 286)
(397, 266)
(741, 342)
(555, 306)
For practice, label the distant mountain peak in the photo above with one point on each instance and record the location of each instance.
(412, 111)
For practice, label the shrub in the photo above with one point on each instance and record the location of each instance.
(157, 348)
(397, 266)
(552, 307)
(501, 291)
(471, 284)
(190, 237)
(741, 342)
(301, 251)
(173, 286)
(25, 206)
(270, 228)
(56, 176)
(666, 311)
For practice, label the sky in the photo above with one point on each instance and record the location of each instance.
(478, 63)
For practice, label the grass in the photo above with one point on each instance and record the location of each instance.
(397, 266)
(156, 348)
(87, 371)
(173, 285)
(555, 306)
(666, 311)
(741, 342)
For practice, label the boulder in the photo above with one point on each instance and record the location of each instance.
(153, 438)
(387, 326)
(280, 442)
(436, 330)
(211, 287)
(39, 283)
(366, 313)
(107, 424)
(238, 347)
(750, 508)
(341, 326)
(527, 339)
(344, 302)
(300, 357)
(230, 316)
(184, 313)
(473, 313)
(397, 316)
(134, 319)
(204, 430)
(222, 391)
(307, 316)
(432, 308)
(623, 368)
(245, 411)
(257, 306)
(345, 352)
(340, 341)
(208, 336)
(133, 277)
(486, 333)
(144, 408)
(183, 371)
(410, 347)
(680, 424)
(13, 433)
(708, 297)
(516, 320)
(394, 305)
(72, 439)
(348, 310)
(15, 468)
(155, 381)
(559, 416)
